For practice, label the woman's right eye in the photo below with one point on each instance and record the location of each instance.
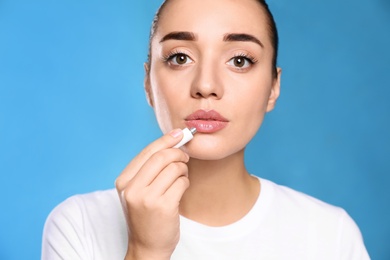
(179, 59)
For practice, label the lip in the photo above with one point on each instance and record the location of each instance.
(206, 121)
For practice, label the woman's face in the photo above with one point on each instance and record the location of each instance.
(211, 68)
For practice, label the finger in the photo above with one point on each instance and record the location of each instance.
(155, 165)
(166, 141)
(167, 177)
(175, 192)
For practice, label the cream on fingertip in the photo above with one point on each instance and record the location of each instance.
(188, 134)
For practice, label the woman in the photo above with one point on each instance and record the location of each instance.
(211, 66)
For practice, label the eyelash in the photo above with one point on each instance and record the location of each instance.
(168, 57)
(172, 54)
(252, 60)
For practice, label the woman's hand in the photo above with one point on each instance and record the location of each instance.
(150, 189)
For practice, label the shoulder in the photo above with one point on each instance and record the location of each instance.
(293, 200)
(325, 226)
(84, 211)
(76, 227)
(311, 211)
(97, 202)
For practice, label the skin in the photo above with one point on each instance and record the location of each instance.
(206, 180)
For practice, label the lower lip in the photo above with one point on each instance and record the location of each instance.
(206, 126)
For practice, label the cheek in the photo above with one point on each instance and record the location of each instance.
(251, 99)
(254, 108)
(166, 104)
(250, 110)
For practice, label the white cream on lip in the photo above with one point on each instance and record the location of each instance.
(188, 134)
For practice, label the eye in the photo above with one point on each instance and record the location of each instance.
(241, 61)
(178, 59)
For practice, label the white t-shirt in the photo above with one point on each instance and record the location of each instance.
(283, 224)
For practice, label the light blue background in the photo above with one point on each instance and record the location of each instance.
(73, 111)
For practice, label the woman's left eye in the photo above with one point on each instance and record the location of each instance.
(240, 62)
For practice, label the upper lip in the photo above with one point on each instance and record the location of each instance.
(210, 115)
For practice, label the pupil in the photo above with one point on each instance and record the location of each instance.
(181, 59)
(239, 62)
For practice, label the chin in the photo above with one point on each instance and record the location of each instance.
(212, 152)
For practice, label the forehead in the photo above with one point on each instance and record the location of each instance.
(213, 18)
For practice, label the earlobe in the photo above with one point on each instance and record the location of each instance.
(275, 91)
(148, 91)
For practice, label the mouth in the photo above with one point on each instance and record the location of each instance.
(206, 121)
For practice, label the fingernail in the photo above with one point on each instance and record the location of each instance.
(176, 133)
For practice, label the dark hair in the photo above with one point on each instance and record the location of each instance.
(272, 30)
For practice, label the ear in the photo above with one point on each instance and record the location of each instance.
(148, 91)
(275, 91)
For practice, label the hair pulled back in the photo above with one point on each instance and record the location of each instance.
(272, 31)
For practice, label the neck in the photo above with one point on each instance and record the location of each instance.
(221, 192)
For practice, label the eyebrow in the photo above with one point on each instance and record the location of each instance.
(181, 36)
(242, 37)
(230, 37)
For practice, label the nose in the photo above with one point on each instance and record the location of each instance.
(207, 81)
